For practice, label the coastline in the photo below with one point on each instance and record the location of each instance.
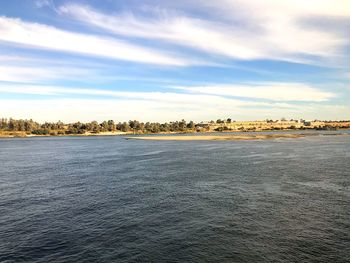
(12, 128)
(228, 137)
(24, 135)
(88, 134)
(179, 137)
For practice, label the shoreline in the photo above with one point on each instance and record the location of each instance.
(19, 135)
(227, 137)
(168, 135)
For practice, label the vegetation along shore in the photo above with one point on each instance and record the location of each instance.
(28, 128)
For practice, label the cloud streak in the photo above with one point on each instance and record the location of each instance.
(52, 72)
(71, 110)
(32, 74)
(275, 92)
(182, 99)
(246, 33)
(269, 91)
(34, 35)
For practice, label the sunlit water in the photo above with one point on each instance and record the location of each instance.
(107, 199)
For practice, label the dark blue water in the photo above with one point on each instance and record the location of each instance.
(106, 199)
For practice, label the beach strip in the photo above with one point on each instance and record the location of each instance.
(219, 137)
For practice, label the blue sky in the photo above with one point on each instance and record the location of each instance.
(169, 60)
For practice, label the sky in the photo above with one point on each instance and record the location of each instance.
(156, 60)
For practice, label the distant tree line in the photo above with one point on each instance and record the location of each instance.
(60, 128)
(133, 126)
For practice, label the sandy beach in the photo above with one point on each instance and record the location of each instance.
(220, 137)
(25, 135)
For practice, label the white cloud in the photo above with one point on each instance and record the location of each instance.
(70, 110)
(107, 104)
(181, 30)
(269, 91)
(207, 95)
(39, 70)
(181, 99)
(234, 29)
(47, 37)
(246, 32)
(273, 8)
(35, 74)
(102, 104)
(42, 3)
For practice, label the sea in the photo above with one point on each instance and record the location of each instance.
(108, 199)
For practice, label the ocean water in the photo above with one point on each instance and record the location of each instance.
(107, 199)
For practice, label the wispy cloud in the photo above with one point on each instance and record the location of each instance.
(42, 3)
(179, 103)
(40, 70)
(219, 98)
(57, 68)
(34, 35)
(167, 97)
(61, 103)
(41, 74)
(96, 109)
(245, 33)
(269, 91)
(71, 110)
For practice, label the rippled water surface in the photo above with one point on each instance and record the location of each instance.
(107, 199)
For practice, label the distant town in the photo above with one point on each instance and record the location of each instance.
(22, 128)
